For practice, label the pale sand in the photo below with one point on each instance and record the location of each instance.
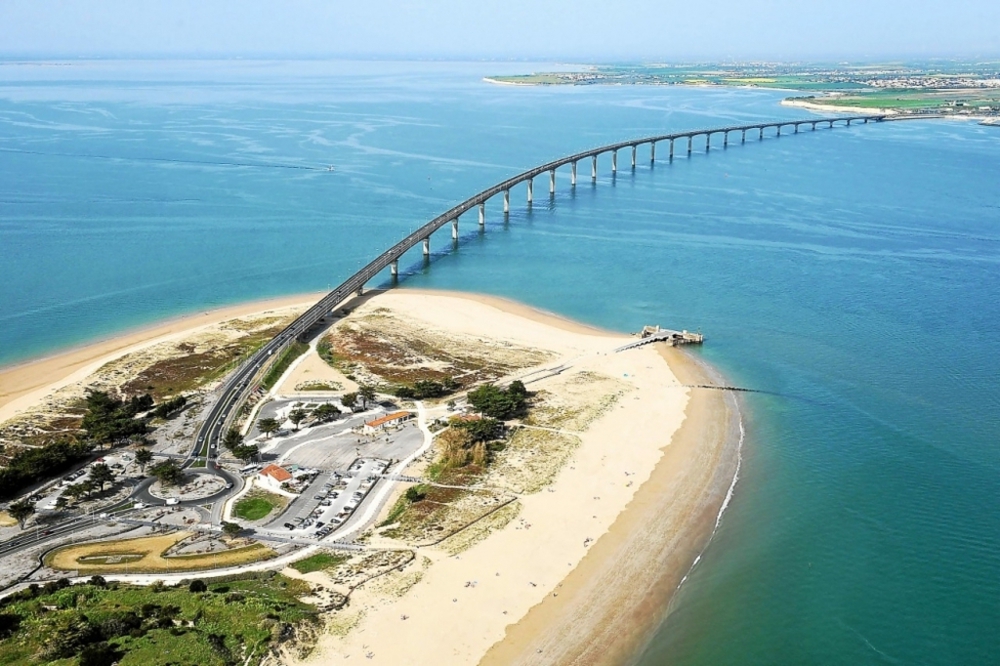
(649, 525)
(25, 384)
(649, 497)
(854, 110)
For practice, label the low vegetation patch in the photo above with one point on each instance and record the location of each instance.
(237, 622)
(319, 562)
(257, 504)
(148, 555)
(293, 351)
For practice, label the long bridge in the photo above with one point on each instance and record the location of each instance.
(239, 385)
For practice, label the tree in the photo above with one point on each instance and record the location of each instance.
(61, 502)
(142, 458)
(21, 511)
(246, 452)
(499, 403)
(168, 472)
(231, 529)
(480, 430)
(326, 412)
(232, 439)
(297, 416)
(99, 654)
(349, 400)
(75, 490)
(88, 486)
(367, 394)
(198, 585)
(101, 474)
(268, 426)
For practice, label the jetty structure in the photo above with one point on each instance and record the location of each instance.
(650, 334)
(242, 381)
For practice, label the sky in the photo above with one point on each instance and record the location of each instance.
(585, 30)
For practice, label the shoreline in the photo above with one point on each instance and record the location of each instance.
(648, 553)
(25, 383)
(648, 537)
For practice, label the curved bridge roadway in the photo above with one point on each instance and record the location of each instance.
(241, 382)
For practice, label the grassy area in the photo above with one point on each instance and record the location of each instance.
(148, 555)
(294, 350)
(318, 562)
(232, 622)
(253, 507)
(191, 369)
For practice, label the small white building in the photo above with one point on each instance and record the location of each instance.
(396, 418)
(273, 476)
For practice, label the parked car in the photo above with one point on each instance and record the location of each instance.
(319, 497)
(172, 501)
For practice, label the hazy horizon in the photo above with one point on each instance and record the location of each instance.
(516, 30)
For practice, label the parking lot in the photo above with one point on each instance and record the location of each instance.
(330, 500)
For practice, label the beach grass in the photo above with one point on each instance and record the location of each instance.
(319, 562)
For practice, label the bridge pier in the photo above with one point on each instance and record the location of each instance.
(552, 181)
(652, 152)
(506, 202)
(761, 138)
(614, 161)
(394, 268)
(531, 189)
(633, 158)
(593, 168)
(814, 127)
(482, 214)
(831, 124)
(427, 246)
(671, 150)
(725, 139)
(848, 122)
(779, 131)
(572, 174)
(743, 137)
(708, 141)
(690, 139)
(454, 229)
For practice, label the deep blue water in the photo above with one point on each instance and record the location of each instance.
(852, 273)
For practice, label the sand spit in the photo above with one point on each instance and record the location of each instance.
(604, 523)
(580, 569)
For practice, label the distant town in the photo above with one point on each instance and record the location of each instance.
(939, 87)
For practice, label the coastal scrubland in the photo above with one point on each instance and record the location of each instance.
(99, 622)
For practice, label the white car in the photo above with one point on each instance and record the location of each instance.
(172, 501)
(139, 505)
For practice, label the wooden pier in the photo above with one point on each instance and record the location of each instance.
(651, 334)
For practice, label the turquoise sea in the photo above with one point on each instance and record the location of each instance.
(852, 274)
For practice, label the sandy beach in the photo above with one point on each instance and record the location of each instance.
(586, 570)
(25, 384)
(582, 568)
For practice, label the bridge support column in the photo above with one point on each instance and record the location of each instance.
(796, 128)
(831, 124)
(572, 174)
(614, 161)
(848, 122)
(779, 131)
(454, 229)
(708, 141)
(531, 190)
(394, 268)
(671, 150)
(506, 202)
(814, 127)
(552, 181)
(743, 137)
(690, 139)
(652, 152)
(633, 157)
(761, 138)
(427, 246)
(593, 167)
(725, 139)
(482, 215)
